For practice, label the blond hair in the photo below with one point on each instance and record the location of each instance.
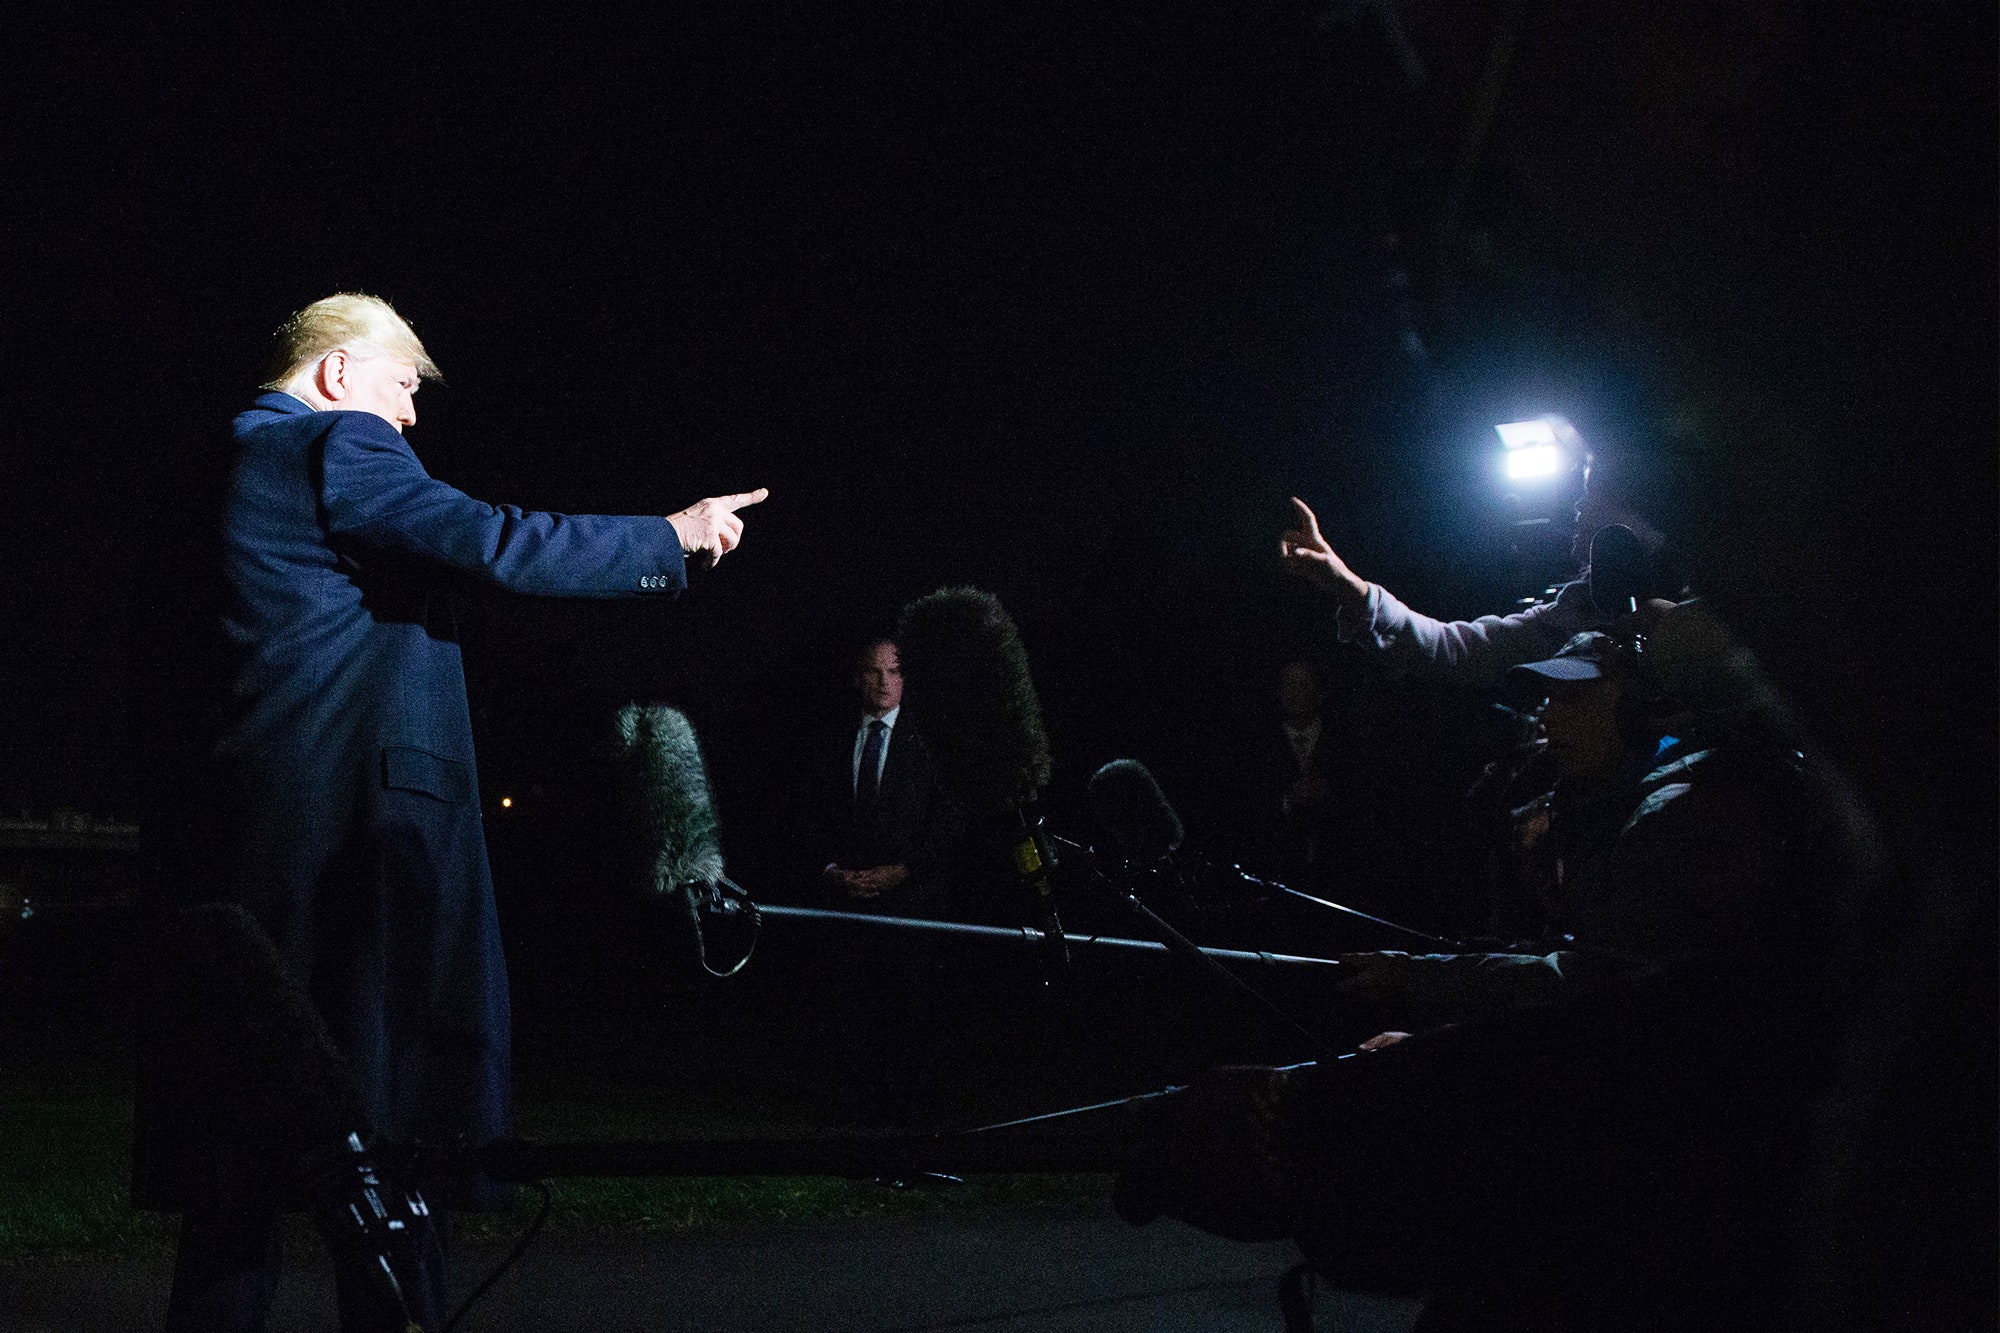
(363, 324)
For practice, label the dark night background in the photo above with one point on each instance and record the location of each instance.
(1058, 301)
(1058, 305)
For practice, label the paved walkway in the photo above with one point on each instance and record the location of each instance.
(1062, 1271)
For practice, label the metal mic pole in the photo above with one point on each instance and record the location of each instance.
(1031, 937)
(518, 1161)
(1034, 859)
(1097, 1108)
(1183, 947)
(1438, 942)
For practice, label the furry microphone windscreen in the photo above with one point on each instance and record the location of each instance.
(1129, 808)
(665, 786)
(966, 690)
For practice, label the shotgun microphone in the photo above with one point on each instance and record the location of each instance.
(680, 851)
(245, 1042)
(666, 783)
(1134, 819)
(967, 691)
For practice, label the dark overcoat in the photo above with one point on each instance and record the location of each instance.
(344, 799)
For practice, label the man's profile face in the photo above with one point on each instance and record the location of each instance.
(1581, 722)
(383, 385)
(878, 679)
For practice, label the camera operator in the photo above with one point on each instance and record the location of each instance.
(1669, 832)
(1608, 1134)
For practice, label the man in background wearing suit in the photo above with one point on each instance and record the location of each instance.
(890, 835)
(892, 828)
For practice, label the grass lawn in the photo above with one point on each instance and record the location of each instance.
(625, 1054)
(65, 1179)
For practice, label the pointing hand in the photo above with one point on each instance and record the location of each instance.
(711, 526)
(1307, 554)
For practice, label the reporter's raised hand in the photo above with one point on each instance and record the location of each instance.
(1307, 554)
(711, 526)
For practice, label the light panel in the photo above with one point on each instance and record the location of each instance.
(1525, 462)
(1527, 434)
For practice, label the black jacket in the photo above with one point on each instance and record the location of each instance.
(911, 822)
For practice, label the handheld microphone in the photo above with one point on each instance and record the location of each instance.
(680, 852)
(967, 690)
(1617, 570)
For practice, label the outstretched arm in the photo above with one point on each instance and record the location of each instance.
(375, 492)
(1468, 650)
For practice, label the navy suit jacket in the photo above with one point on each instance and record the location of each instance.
(345, 811)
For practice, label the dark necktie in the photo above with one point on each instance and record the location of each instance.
(871, 764)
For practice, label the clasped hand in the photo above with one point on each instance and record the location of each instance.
(870, 883)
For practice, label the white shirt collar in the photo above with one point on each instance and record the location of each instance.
(887, 719)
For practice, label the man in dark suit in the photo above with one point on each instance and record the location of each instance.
(1292, 781)
(891, 828)
(343, 797)
(890, 836)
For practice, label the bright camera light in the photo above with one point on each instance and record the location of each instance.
(1539, 449)
(1527, 434)
(1533, 460)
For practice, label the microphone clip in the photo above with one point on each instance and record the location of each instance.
(1034, 854)
(721, 907)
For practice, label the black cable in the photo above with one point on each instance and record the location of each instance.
(513, 1256)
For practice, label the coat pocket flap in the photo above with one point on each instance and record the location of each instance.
(407, 769)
